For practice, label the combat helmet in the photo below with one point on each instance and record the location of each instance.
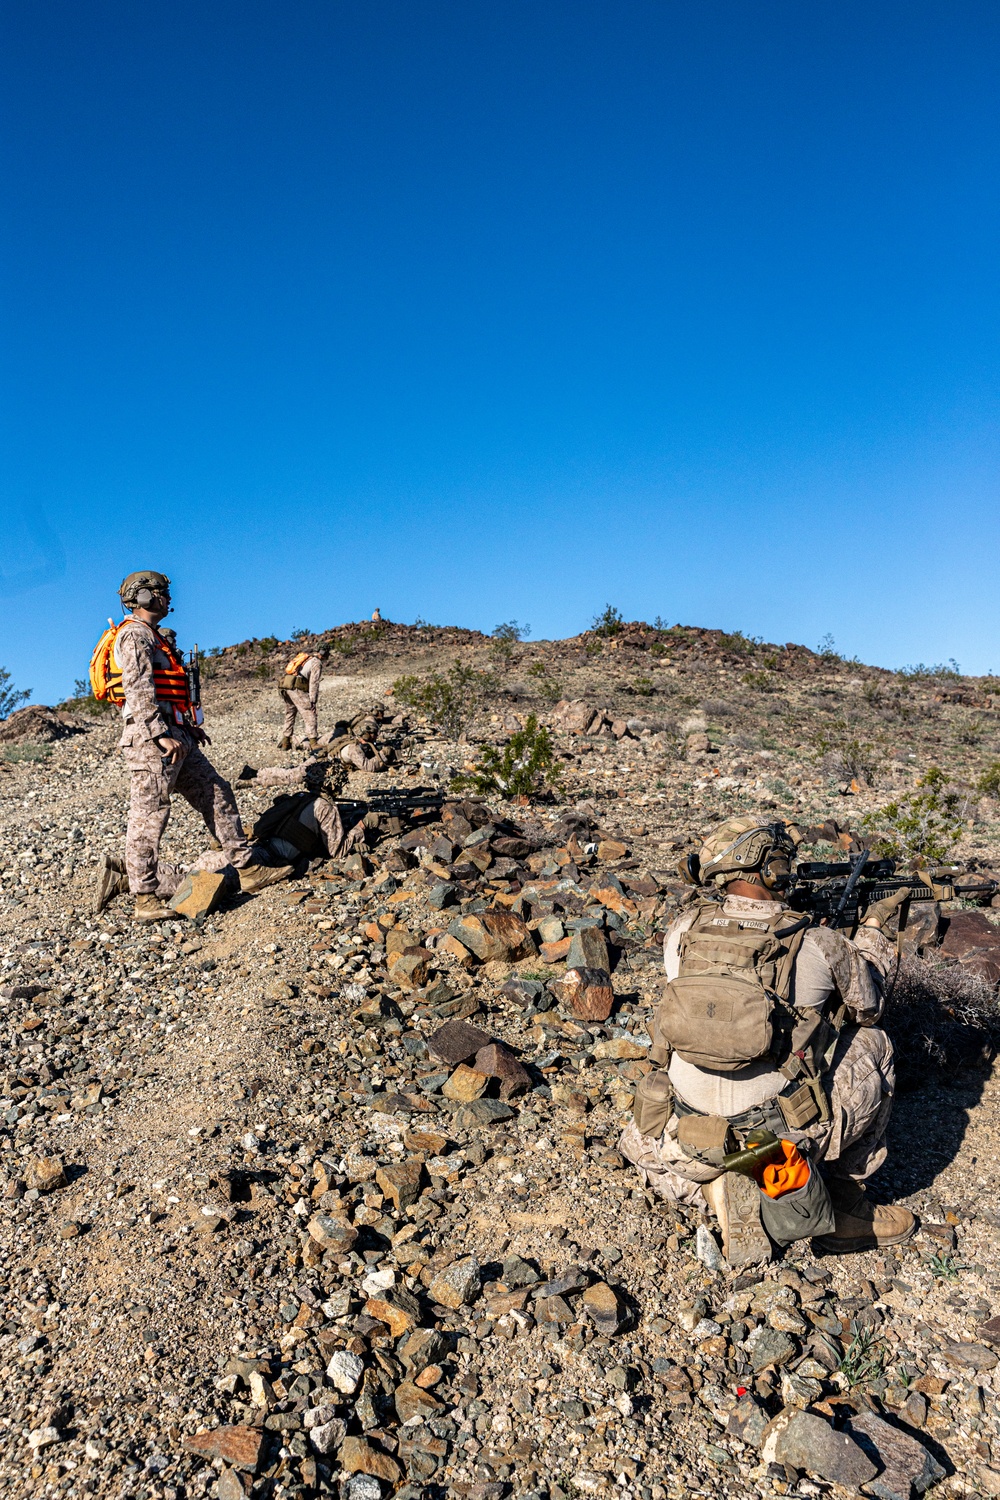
(743, 847)
(139, 588)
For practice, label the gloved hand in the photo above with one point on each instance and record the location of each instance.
(880, 911)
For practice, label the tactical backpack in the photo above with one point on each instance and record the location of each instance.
(728, 1006)
(281, 821)
(292, 681)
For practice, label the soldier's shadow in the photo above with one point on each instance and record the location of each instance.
(927, 1130)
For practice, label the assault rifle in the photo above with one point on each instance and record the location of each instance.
(842, 893)
(192, 671)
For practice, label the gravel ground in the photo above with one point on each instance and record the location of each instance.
(268, 1217)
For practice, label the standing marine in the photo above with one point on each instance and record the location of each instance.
(768, 1037)
(299, 690)
(140, 669)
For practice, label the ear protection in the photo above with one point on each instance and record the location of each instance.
(776, 872)
(144, 598)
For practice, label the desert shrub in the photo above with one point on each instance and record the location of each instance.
(505, 638)
(923, 826)
(10, 696)
(950, 668)
(826, 649)
(610, 622)
(450, 699)
(761, 682)
(544, 686)
(738, 643)
(941, 1015)
(859, 760)
(989, 781)
(299, 634)
(344, 645)
(268, 643)
(263, 670)
(26, 752)
(644, 686)
(524, 767)
(972, 733)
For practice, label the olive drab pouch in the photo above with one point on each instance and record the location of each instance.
(705, 1138)
(294, 684)
(800, 1215)
(725, 1008)
(653, 1103)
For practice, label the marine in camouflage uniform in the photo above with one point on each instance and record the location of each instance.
(830, 972)
(302, 701)
(162, 749)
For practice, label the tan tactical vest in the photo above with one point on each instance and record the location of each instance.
(729, 1005)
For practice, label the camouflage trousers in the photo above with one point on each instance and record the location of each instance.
(297, 702)
(362, 757)
(860, 1084)
(152, 786)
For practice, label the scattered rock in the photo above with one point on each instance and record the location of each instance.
(238, 1446)
(44, 1174)
(906, 1467)
(804, 1441)
(587, 993)
(458, 1285)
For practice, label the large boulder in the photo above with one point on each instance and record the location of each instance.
(37, 725)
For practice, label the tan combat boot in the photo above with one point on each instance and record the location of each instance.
(254, 878)
(735, 1201)
(860, 1224)
(284, 743)
(314, 744)
(111, 882)
(153, 909)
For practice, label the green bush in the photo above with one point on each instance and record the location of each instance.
(268, 643)
(448, 699)
(26, 752)
(923, 826)
(989, 781)
(524, 767)
(610, 622)
(762, 682)
(10, 697)
(299, 634)
(738, 643)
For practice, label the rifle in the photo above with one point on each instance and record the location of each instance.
(192, 671)
(842, 893)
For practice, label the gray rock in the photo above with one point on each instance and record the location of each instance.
(748, 1421)
(766, 1347)
(907, 1468)
(328, 1436)
(522, 991)
(707, 1250)
(364, 1487)
(345, 1370)
(588, 950)
(481, 1112)
(517, 1273)
(804, 1441)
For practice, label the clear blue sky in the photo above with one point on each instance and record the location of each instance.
(479, 310)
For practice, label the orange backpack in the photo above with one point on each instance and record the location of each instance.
(105, 677)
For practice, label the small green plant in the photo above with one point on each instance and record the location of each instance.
(505, 638)
(299, 634)
(762, 682)
(865, 1356)
(922, 826)
(344, 645)
(950, 668)
(739, 643)
(82, 700)
(209, 667)
(26, 752)
(610, 622)
(523, 767)
(827, 649)
(545, 686)
(644, 686)
(971, 734)
(268, 643)
(449, 699)
(989, 781)
(860, 761)
(944, 1266)
(263, 670)
(10, 697)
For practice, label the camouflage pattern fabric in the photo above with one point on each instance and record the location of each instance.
(297, 702)
(153, 784)
(303, 701)
(860, 1083)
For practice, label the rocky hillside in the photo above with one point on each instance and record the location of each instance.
(322, 1192)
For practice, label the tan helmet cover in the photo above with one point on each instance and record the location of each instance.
(157, 583)
(741, 845)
